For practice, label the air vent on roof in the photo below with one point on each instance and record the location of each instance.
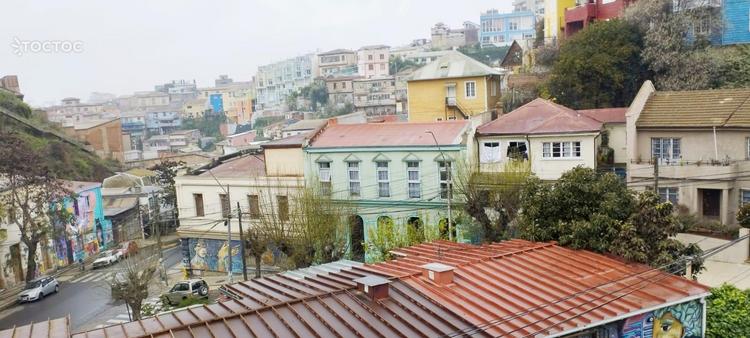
(375, 287)
(438, 273)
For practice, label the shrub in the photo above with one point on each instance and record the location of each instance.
(727, 312)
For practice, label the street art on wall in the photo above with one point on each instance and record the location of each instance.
(213, 255)
(678, 321)
(89, 233)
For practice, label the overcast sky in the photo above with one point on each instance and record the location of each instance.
(127, 46)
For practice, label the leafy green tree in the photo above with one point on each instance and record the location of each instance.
(12, 103)
(727, 312)
(397, 64)
(743, 215)
(586, 209)
(166, 171)
(734, 62)
(599, 67)
(208, 124)
(678, 58)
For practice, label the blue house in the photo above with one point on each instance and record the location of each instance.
(736, 28)
(501, 29)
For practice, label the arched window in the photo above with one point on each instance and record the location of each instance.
(415, 230)
(357, 237)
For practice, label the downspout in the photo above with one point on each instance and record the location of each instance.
(716, 146)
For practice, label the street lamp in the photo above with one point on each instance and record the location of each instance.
(448, 168)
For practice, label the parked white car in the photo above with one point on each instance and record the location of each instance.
(37, 289)
(107, 258)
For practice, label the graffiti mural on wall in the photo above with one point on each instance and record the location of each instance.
(89, 234)
(678, 321)
(213, 255)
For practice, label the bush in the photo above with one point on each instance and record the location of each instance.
(727, 312)
(743, 215)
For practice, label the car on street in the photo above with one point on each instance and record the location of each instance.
(188, 288)
(107, 258)
(37, 289)
(128, 248)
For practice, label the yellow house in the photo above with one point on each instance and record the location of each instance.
(554, 18)
(453, 87)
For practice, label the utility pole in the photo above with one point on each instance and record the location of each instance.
(656, 175)
(228, 214)
(242, 241)
(448, 168)
(156, 221)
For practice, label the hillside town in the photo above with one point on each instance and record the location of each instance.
(547, 168)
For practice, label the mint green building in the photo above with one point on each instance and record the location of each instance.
(387, 171)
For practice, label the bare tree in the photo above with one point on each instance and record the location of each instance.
(32, 196)
(131, 284)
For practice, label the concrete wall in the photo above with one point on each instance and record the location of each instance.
(618, 141)
(698, 145)
(427, 98)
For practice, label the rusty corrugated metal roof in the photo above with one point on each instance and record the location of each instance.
(554, 289)
(513, 288)
(53, 328)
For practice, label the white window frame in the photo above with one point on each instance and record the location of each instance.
(666, 194)
(324, 177)
(517, 142)
(355, 185)
(444, 182)
(473, 90)
(669, 142)
(494, 87)
(384, 184)
(567, 150)
(417, 191)
(490, 152)
(742, 196)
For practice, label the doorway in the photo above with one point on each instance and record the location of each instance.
(357, 237)
(710, 203)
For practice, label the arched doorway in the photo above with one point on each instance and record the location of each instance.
(357, 237)
(415, 230)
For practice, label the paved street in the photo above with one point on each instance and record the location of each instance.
(86, 298)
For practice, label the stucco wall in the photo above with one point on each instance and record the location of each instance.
(697, 145)
(546, 168)
(284, 162)
(618, 142)
(427, 98)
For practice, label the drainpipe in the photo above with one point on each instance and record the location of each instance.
(716, 146)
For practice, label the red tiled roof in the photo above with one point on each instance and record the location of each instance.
(524, 288)
(540, 117)
(244, 166)
(606, 115)
(390, 134)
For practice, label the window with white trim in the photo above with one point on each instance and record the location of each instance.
(490, 152)
(354, 182)
(667, 150)
(412, 174)
(444, 173)
(384, 184)
(561, 149)
(471, 89)
(669, 194)
(324, 175)
(745, 196)
(517, 150)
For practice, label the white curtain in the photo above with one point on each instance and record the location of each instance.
(489, 152)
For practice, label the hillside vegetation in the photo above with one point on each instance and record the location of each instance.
(67, 158)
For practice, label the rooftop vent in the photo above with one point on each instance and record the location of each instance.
(375, 287)
(438, 273)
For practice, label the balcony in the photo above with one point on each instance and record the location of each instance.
(583, 12)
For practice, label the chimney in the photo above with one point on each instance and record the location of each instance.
(438, 273)
(375, 287)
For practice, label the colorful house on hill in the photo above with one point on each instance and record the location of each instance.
(736, 28)
(91, 232)
(586, 12)
(554, 19)
(453, 87)
(553, 139)
(389, 172)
